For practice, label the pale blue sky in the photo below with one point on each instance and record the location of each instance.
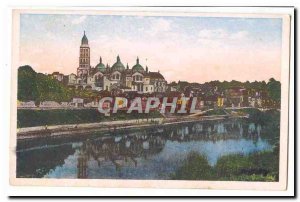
(213, 44)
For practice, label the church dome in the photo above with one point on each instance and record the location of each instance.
(101, 67)
(84, 40)
(118, 66)
(137, 67)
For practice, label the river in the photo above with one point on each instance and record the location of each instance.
(152, 153)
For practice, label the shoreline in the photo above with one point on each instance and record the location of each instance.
(109, 126)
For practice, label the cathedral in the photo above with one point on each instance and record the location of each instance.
(115, 77)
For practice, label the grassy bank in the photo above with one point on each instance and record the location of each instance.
(261, 166)
(215, 112)
(30, 118)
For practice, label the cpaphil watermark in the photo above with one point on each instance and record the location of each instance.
(181, 105)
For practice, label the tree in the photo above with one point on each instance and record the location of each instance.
(39, 87)
(27, 89)
(274, 89)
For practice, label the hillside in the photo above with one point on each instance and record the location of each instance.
(40, 87)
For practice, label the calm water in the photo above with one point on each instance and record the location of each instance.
(152, 153)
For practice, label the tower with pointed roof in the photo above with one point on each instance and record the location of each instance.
(115, 77)
(84, 58)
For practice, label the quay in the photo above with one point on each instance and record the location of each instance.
(109, 126)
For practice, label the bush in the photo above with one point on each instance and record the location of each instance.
(260, 166)
(195, 167)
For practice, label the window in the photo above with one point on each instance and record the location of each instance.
(146, 88)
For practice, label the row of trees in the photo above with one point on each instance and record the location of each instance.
(272, 87)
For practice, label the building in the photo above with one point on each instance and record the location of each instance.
(77, 102)
(114, 78)
(49, 104)
(58, 76)
(236, 97)
(29, 104)
(84, 60)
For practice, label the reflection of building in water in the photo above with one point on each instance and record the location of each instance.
(126, 150)
(212, 131)
(82, 165)
(121, 151)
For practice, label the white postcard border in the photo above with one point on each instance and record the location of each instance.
(281, 185)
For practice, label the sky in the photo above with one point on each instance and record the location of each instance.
(194, 49)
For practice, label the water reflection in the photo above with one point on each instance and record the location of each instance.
(151, 153)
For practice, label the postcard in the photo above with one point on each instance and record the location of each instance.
(154, 99)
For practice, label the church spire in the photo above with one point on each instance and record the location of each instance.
(84, 39)
(100, 60)
(127, 67)
(137, 60)
(118, 58)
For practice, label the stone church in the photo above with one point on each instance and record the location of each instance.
(115, 77)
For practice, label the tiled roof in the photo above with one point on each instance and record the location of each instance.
(156, 75)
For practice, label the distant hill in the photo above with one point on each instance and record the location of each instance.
(40, 87)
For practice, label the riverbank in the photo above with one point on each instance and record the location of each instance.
(108, 126)
(260, 166)
(32, 118)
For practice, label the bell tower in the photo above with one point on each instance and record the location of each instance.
(84, 59)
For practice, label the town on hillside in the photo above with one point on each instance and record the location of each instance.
(119, 80)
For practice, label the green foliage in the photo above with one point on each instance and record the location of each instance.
(256, 85)
(27, 87)
(260, 163)
(51, 89)
(231, 165)
(196, 167)
(40, 87)
(274, 89)
(215, 112)
(255, 115)
(253, 177)
(260, 166)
